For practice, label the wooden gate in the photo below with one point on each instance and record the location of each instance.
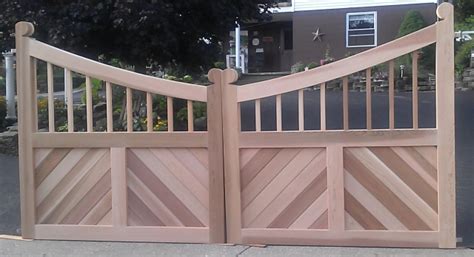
(364, 187)
(112, 185)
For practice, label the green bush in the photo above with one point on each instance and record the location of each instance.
(463, 56)
(297, 67)
(413, 21)
(60, 113)
(312, 65)
(219, 65)
(3, 112)
(2, 86)
(96, 86)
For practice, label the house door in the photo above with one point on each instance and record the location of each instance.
(264, 50)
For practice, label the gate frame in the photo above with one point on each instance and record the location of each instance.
(224, 138)
(443, 135)
(28, 50)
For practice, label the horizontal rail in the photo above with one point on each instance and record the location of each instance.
(346, 238)
(344, 67)
(119, 139)
(115, 75)
(109, 233)
(421, 137)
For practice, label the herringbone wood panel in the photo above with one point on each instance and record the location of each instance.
(168, 187)
(284, 188)
(391, 188)
(73, 186)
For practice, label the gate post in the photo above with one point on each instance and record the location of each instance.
(25, 89)
(231, 130)
(445, 126)
(216, 158)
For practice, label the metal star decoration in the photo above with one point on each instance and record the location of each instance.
(318, 35)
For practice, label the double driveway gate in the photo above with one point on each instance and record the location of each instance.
(365, 187)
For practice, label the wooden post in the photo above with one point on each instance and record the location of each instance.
(335, 185)
(301, 110)
(50, 79)
(322, 101)
(190, 116)
(232, 158)
(279, 121)
(345, 103)
(129, 96)
(118, 169)
(34, 97)
(445, 126)
(108, 99)
(216, 158)
(149, 112)
(391, 94)
(415, 89)
(258, 115)
(89, 105)
(368, 97)
(70, 99)
(25, 89)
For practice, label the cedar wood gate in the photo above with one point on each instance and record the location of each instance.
(369, 187)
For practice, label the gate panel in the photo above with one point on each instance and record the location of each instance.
(284, 188)
(131, 182)
(364, 187)
(167, 187)
(73, 186)
(390, 188)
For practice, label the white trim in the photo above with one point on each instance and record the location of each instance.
(311, 5)
(284, 9)
(347, 29)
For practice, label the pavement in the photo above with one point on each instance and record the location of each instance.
(9, 196)
(40, 248)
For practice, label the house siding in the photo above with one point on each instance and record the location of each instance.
(333, 24)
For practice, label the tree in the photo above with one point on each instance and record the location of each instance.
(463, 9)
(413, 21)
(185, 32)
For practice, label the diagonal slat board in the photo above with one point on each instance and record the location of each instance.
(73, 186)
(168, 187)
(390, 188)
(284, 188)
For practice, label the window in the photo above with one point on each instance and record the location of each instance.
(284, 3)
(361, 29)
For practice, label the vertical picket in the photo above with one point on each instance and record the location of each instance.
(50, 79)
(368, 97)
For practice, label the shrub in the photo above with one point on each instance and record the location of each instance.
(60, 113)
(219, 65)
(413, 21)
(463, 56)
(3, 112)
(312, 65)
(96, 86)
(2, 86)
(297, 67)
